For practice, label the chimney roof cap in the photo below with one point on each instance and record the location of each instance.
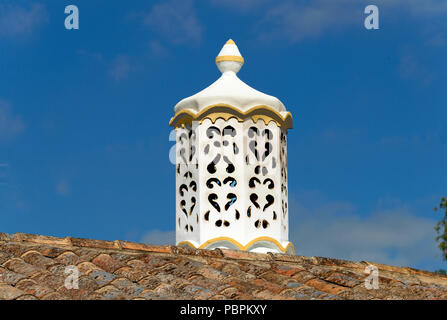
(229, 89)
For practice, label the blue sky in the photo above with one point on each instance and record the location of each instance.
(84, 135)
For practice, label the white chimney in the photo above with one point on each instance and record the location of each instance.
(231, 165)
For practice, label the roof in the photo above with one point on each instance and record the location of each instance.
(33, 267)
(229, 89)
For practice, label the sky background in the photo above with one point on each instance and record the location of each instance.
(84, 135)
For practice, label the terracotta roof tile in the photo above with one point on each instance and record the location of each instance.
(4, 256)
(51, 280)
(102, 277)
(235, 271)
(68, 258)
(130, 273)
(34, 267)
(31, 287)
(37, 259)
(8, 292)
(345, 279)
(87, 267)
(27, 297)
(325, 286)
(107, 263)
(10, 277)
(149, 295)
(111, 292)
(129, 287)
(19, 266)
(55, 296)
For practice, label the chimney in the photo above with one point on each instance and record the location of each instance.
(231, 165)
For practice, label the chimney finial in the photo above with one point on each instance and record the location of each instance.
(229, 58)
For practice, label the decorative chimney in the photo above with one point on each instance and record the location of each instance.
(231, 165)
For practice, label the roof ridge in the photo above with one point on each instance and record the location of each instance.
(121, 245)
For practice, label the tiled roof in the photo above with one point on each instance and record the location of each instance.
(33, 267)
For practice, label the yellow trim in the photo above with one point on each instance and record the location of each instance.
(186, 242)
(226, 111)
(230, 41)
(229, 58)
(239, 245)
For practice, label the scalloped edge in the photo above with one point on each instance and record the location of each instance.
(226, 111)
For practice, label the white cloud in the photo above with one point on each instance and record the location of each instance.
(157, 237)
(296, 21)
(422, 8)
(10, 125)
(421, 140)
(16, 20)
(156, 49)
(176, 21)
(331, 135)
(63, 188)
(243, 6)
(393, 236)
(94, 55)
(299, 20)
(411, 68)
(120, 68)
(437, 40)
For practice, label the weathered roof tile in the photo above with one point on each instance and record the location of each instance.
(325, 286)
(34, 267)
(33, 288)
(51, 280)
(111, 293)
(10, 277)
(130, 273)
(128, 287)
(4, 256)
(87, 267)
(68, 258)
(55, 296)
(102, 277)
(107, 263)
(345, 278)
(19, 266)
(234, 270)
(27, 297)
(37, 259)
(8, 292)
